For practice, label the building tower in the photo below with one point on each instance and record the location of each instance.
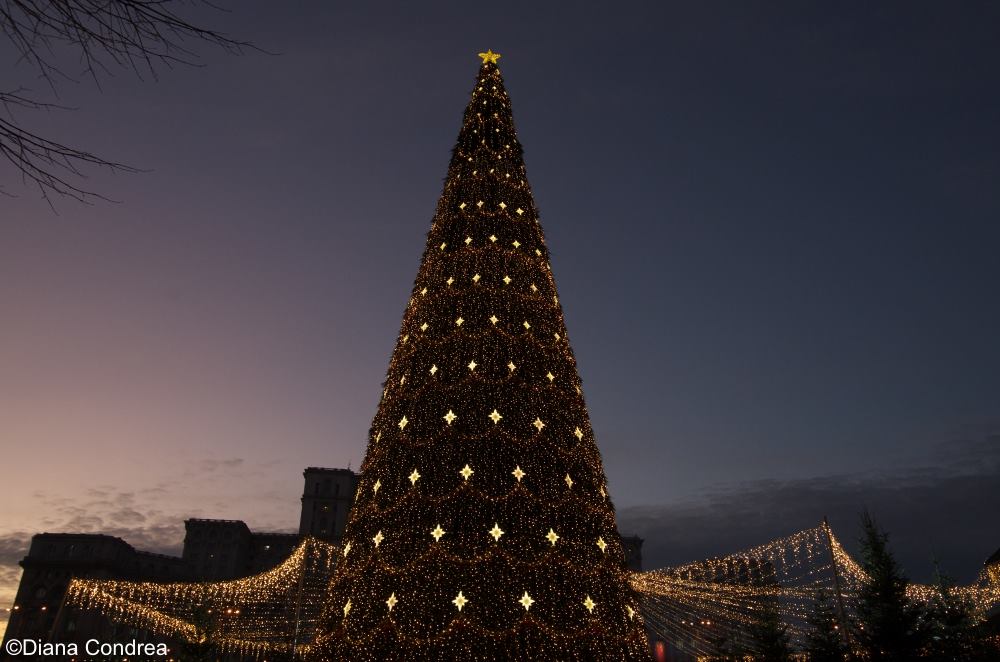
(326, 499)
(482, 527)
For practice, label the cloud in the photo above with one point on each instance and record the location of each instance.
(945, 509)
(150, 518)
(214, 465)
(13, 547)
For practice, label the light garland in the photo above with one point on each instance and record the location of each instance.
(491, 498)
(272, 612)
(698, 606)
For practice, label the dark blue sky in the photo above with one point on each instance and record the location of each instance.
(773, 226)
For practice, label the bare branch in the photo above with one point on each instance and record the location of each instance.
(139, 35)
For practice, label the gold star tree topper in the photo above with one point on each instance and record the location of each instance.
(489, 57)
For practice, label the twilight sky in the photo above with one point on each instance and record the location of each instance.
(773, 227)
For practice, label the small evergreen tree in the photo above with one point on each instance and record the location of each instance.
(952, 626)
(888, 623)
(203, 649)
(825, 639)
(770, 634)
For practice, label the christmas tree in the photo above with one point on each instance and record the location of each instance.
(482, 527)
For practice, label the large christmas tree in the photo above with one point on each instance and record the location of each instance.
(482, 528)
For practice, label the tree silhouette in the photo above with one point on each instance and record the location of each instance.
(825, 639)
(952, 624)
(769, 634)
(888, 623)
(138, 35)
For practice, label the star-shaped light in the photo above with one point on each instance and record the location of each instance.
(569, 481)
(526, 325)
(472, 365)
(603, 492)
(443, 245)
(403, 422)
(460, 601)
(347, 608)
(506, 280)
(516, 243)
(480, 203)
(494, 319)
(589, 604)
(518, 473)
(437, 533)
(496, 532)
(434, 369)
(466, 472)
(423, 292)
(579, 434)
(424, 326)
(459, 321)
(558, 337)
(511, 366)
(539, 424)
(495, 416)
(347, 549)
(493, 238)
(378, 436)
(391, 601)
(631, 612)
(462, 206)
(503, 205)
(468, 240)
(552, 537)
(475, 279)
(603, 545)
(414, 477)
(534, 288)
(550, 376)
(378, 538)
(377, 485)
(450, 416)
(450, 281)
(526, 601)
(402, 379)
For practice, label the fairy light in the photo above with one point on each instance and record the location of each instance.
(251, 618)
(491, 444)
(698, 604)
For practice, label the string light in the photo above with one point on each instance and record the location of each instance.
(252, 618)
(695, 605)
(499, 306)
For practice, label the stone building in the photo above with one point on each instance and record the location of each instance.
(213, 550)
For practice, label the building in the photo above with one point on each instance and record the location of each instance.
(213, 550)
(326, 502)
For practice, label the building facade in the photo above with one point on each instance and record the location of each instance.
(214, 550)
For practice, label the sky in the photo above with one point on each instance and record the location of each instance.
(773, 228)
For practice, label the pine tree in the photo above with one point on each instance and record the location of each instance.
(952, 626)
(203, 649)
(825, 639)
(482, 527)
(770, 634)
(888, 623)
